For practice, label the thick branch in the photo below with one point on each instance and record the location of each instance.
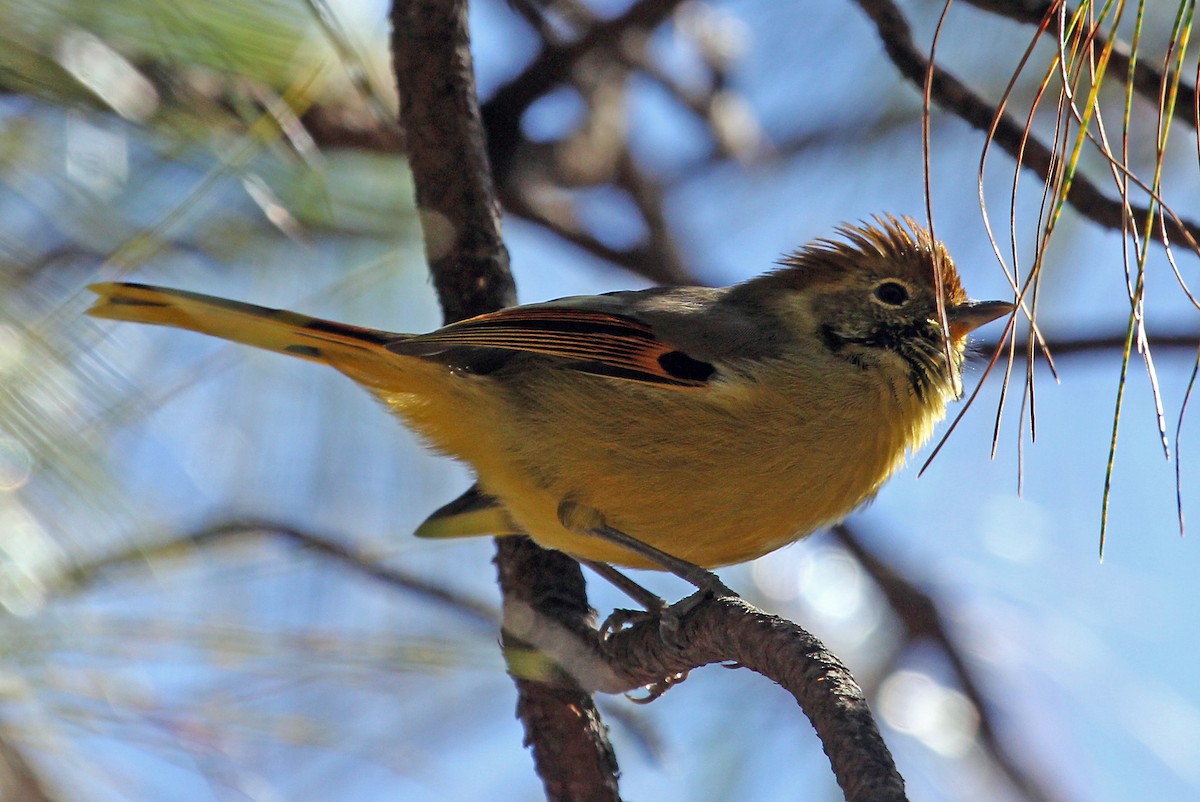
(562, 724)
(467, 258)
(460, 217)
(729, 629)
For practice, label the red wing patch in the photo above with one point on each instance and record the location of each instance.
(593, 342)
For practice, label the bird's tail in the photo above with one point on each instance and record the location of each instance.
(358, 352)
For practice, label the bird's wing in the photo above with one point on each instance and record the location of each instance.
(596, 341)
(472, 514)
(602, 335)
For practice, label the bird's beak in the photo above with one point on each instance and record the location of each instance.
(966, 317)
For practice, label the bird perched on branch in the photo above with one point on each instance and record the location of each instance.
(715, 425)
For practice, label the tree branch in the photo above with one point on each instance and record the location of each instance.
(1147, 80)
(84, 574)
(954, 96)
(460, 217)
(1082, 346)
(730, 629)
(922, 618)
(553, 65)
(467, 258)
(562, 724)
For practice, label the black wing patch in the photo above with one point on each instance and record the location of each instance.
(594, 342)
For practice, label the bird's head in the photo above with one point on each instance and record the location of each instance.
(871, 298)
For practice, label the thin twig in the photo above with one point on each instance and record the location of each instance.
(87, 573)
(954, 96)
(552, 66)
(1101, 344)
(1147, 80)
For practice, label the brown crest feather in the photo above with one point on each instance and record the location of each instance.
(890, 247)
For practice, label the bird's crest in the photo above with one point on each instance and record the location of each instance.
(889, 246)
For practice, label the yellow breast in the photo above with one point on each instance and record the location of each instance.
(714, 476)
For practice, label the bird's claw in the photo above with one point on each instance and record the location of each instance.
(657, 689)
(620, 619)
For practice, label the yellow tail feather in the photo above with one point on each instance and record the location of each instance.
(359, 352)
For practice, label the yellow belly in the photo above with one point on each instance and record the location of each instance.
(713, 476)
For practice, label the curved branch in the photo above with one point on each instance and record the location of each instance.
(731, 630)
(642, 259)
(922, 617)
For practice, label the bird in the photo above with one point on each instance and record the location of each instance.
(714, 425)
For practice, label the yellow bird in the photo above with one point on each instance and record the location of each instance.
(713, 424)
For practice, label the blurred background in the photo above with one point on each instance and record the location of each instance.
(208, 584)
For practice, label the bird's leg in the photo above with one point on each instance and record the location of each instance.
(651, 601)
(656, 608)
(585, 520)
(691, 573)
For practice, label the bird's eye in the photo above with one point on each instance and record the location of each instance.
(892, 293)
